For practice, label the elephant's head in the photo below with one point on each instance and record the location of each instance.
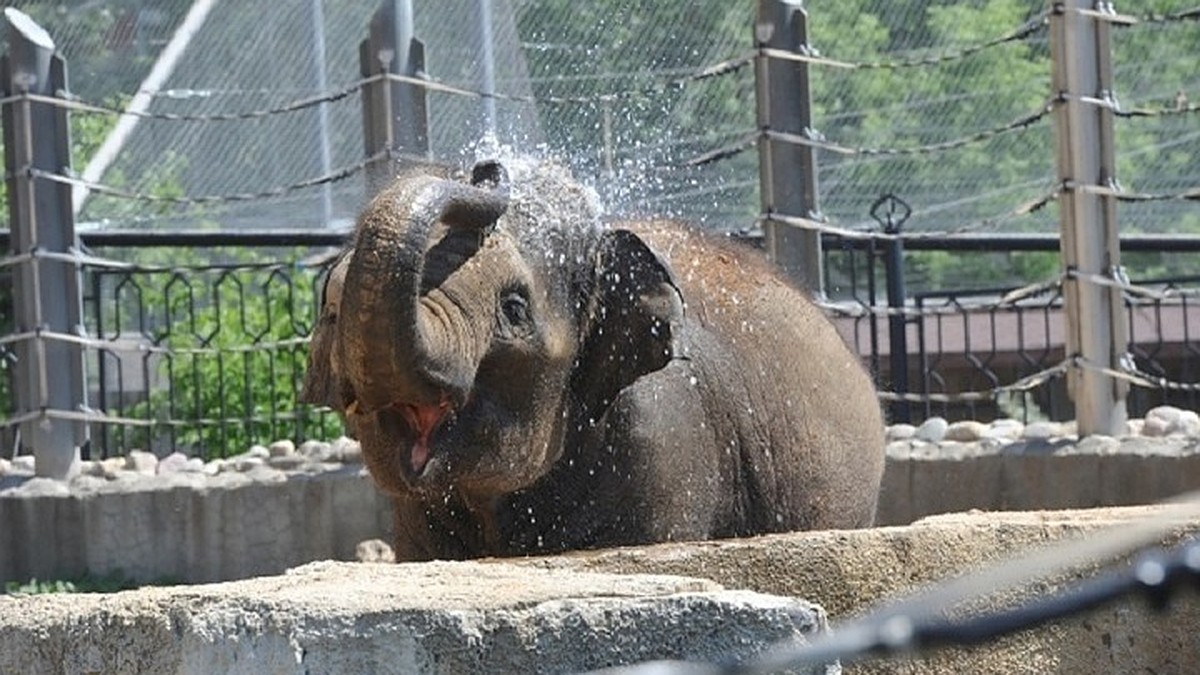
(473, 325)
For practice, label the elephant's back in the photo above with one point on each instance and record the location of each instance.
(808, 419)
(727, 285)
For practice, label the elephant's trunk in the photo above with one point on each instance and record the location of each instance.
(398, 346)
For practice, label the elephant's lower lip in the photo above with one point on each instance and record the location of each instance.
(421, 422)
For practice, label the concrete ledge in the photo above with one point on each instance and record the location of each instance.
(848, 572)
(426, 618)
(536, 615)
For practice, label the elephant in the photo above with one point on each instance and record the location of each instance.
(526, 375)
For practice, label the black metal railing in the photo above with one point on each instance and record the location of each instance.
(993, 338)
(197, 340)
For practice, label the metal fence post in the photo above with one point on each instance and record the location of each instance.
(787, 171)
(891, 212)
(47, 294)
(395, 114)
(1097, 326)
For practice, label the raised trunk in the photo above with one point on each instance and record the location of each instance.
(396, 348)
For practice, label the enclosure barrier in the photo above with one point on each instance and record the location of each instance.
(125, 348)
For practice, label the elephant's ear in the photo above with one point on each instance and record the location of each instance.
(322, 381)
(635, 314)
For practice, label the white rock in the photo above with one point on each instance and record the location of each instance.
(1188, 424)
(1167, 420)
(965, 431)
(1134, 427)
(902, 450)
(110, 466)
(932, 430)
(194, 465)
(5, 466)
(23, 463)
(127, 476)
(1005, 429)
(172, 463)
(374, 551)
(282, 448)
(317, 451)
(262, 473)
(900, 432)
(345, 449)
(1155, 427)
(260, 451)
(87, 482)
(214, 466)
(244, 464)
(288, 462)
(1168, 414)
(141, 462)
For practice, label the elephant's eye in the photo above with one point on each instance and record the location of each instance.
(515, 308)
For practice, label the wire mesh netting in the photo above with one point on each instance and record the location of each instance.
(1158, 146)
(616, 97)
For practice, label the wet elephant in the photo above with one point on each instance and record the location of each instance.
(525, 378)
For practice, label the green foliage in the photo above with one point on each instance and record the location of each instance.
(235, 371)
(35, 587)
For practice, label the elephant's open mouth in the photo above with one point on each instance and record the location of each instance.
(414, 425)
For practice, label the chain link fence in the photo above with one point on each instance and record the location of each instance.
(612, 88)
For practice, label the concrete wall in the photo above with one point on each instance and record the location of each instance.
(197, 528)
(189, 528)
(348, 618)
(851, 572)
(594, 609)
(925, 478)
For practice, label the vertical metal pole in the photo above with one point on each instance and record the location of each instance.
(1097, 326)
(488, 54)
(892, 212)
(788, 172)
(321, 81)
(872, 252)
(897, 325)
(395, 114)
(47, 295)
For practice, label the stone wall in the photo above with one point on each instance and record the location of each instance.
(188, 527)
(274, 508)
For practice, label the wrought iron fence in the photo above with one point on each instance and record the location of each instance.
(198, 341)
(997, 350)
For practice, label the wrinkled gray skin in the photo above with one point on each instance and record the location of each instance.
(523, 379)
